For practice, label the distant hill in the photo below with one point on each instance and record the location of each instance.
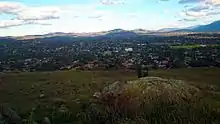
(167, 29)
(212, 27)
(116, 31)
(124, 34)
(119, 33)
(7, 40)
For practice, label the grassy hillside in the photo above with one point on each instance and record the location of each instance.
(22, 90)
(196, 75)
(25, 91)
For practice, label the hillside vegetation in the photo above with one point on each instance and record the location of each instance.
(95, 97)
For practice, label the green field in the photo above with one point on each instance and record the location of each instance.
(185, 46)
(196, 75)
(192, 46)
(22, 91)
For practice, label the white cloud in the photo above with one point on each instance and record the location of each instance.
(202, 10)
(10, 23)
(195, 14)
(39, 13)
(16, 22)
(26, 14)
(11, 8)
(213, 2)
(200, 7)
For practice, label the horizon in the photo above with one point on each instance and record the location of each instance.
(25, 17)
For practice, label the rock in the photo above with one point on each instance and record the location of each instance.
(63, 109)
(46, 120)
(115, 87)
(77, 101)
(42, 96)
(97, 95)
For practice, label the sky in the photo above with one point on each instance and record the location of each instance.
(31, 17)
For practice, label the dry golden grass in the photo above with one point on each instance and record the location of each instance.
(154, 100)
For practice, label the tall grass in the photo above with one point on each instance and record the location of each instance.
(157, 102)
(145, 101)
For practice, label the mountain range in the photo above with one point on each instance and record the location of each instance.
(120, 33)
(212, 27)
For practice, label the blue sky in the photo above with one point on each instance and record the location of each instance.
(29, 17)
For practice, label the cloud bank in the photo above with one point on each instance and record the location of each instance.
(24, 15)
